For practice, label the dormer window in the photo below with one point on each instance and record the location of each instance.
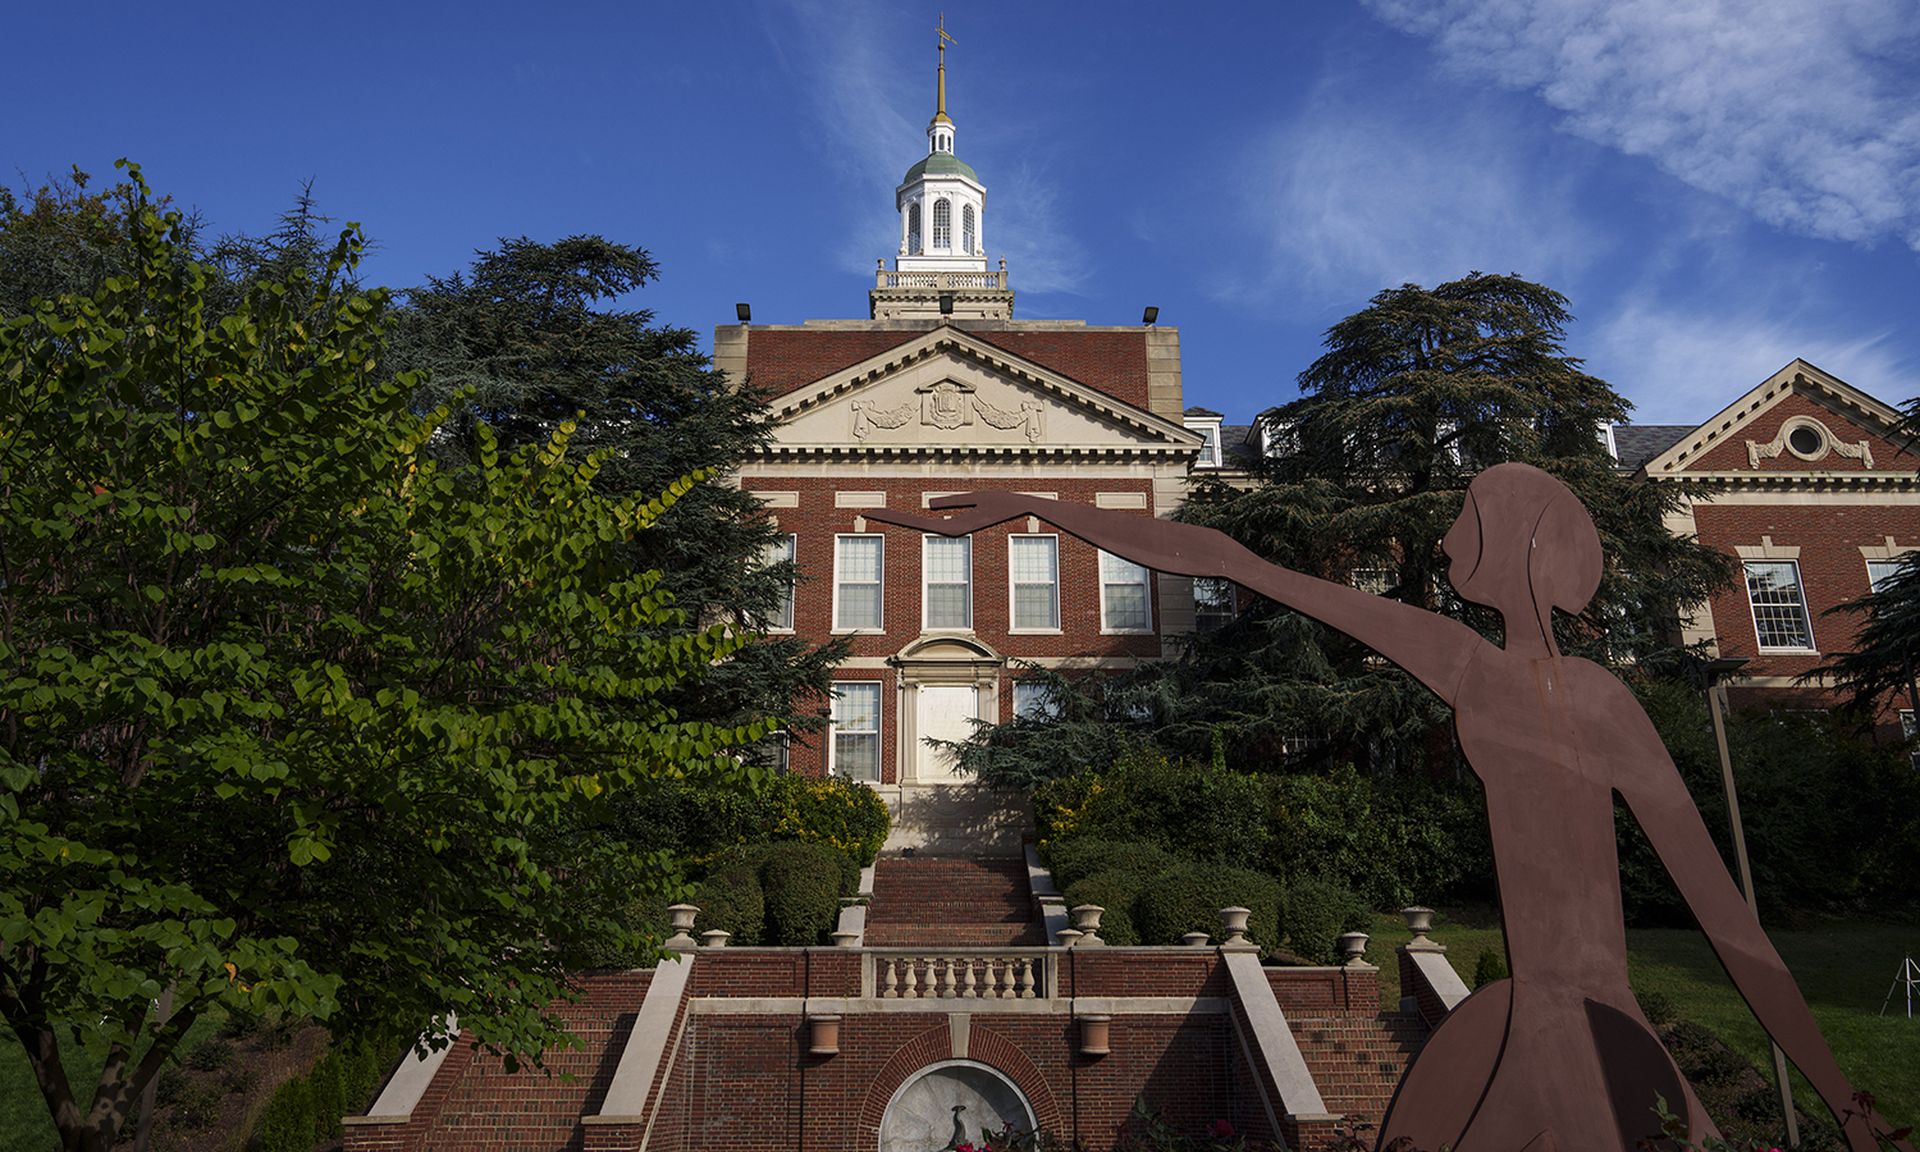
(1209, 433)
(1279, 438)
(942, 225)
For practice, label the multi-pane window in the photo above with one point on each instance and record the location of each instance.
(947, 562)
(1213, 602)
(1779, 606)
(966, 229)
(856, 730)
(1034, 700)
(1279, 438)
(781, 551)
(1124, 605)
(913, 229)
(1879, 572)
(1373, 581)
(942, 225)
(857, 564)
(1033, 563)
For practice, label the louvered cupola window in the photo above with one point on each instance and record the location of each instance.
(942, 225)
(966, 229)
(913, 228)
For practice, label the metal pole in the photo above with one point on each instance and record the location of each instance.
(1716, 704)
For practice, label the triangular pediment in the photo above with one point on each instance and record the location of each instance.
(1800, 423)
(948, 391)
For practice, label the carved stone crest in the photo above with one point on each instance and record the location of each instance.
(948, 404)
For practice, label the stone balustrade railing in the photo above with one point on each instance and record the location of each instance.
(941, 281)
(925, 974)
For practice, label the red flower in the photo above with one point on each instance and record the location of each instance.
(1221, 1130)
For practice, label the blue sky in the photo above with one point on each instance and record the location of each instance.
(1717, 186)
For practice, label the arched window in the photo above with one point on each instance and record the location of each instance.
(942, 225)
(966, 229)
(913, 228)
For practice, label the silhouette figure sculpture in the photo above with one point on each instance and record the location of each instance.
(1559, 1056)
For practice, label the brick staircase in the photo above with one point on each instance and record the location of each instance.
(945, 901)
(1357, 1060)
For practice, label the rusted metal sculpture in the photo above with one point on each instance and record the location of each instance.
(1560, 1055)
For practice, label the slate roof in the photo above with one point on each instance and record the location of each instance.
(1639, 443)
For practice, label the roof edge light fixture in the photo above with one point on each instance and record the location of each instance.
(1151, 315)
(744, 311)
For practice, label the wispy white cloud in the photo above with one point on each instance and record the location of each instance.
(1805, 113)
(1357, 192)
(871, 111)
(1679, 364)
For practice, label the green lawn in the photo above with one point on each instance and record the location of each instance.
(1843, 967)
(23, 1111)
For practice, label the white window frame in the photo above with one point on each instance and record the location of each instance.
(942, 228)
(1217, 621)
(926, 622)
(1046, 707)
(880, 583)
(1753, 610)
(792, 557)
(879, 723)
(1892, 565)
(1146, 587)
(1014, 626)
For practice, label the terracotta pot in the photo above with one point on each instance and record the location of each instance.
(823, 1035)
(1096, 1035)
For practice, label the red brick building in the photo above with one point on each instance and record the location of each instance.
(1806, 482)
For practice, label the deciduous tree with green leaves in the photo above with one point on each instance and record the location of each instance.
(294, 719)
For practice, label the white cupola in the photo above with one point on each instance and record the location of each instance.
(942, 204)
(941, 269)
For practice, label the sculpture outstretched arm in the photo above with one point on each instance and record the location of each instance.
(1435, 650)
(1653, 791)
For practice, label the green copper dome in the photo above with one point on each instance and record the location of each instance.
(940, 164)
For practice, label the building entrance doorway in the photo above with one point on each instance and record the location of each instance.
(942, 712)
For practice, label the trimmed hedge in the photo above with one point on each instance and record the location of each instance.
(700, 820)
(802, 883)
(307, 1109)
(1116, 892)
(1188, 898)
(732, 900)
(1317, 912)
(1075, 860)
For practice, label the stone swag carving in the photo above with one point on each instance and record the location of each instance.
(948, 405)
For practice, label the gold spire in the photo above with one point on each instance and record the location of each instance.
(940, 105)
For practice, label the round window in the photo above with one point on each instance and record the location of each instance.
(1806, 440)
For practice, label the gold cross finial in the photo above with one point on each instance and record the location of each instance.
(945, 38)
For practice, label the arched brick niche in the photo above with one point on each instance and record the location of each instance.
(932, 1051)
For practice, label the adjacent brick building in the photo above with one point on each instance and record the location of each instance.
(1807, 482)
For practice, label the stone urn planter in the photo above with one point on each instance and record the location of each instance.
(715, 938)
(1196, 939)
(1419, 920)
(1086, 921)
(1233, 926)
(681, 917)
(1353, 948)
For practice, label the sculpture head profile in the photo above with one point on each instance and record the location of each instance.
(1523, 546)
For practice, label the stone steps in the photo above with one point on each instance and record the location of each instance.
(1357, 1061)
(949, 901)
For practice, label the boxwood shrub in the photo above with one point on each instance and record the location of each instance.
(1316, 912)
(1116, 892)
(801, 883)
(732, 900)
(1075, 860)
(1188, 898)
